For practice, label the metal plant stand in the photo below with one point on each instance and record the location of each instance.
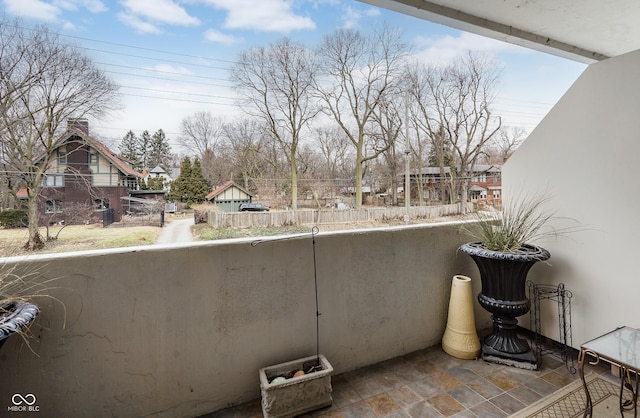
(562, 297)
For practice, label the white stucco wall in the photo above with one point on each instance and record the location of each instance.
(182, 330)
(585, 154)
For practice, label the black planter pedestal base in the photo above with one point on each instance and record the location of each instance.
(504, 345)
(526, 360)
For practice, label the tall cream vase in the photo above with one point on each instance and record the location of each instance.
(460, 339)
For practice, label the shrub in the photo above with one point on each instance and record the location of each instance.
(14, 218)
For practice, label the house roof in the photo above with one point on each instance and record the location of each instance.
(111, 156)
(224, 187)
(157, 170)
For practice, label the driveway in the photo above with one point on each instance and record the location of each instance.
(177, 230)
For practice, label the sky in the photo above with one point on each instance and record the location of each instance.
(171, 57)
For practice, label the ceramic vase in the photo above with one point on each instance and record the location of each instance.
(460, 339)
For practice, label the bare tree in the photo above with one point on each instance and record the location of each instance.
(276, 84)
(245, 147)
(356, 73)
(202, 134)
(454, 104)
(386, 130)
(334, 147)
(418, 145)
(43, 82)
(505, 143)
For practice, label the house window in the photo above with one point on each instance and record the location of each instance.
(496, 194)
(483, 195)
(53, 206)
(129, 183)
(93, 158)
(496, 177)
(62, 157)
(482, 178)
(101, 204)
(53, 180)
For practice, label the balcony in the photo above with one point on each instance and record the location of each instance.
(182, 330)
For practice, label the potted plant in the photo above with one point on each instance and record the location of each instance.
(15, 317)
(17, 307)
(296, 387)
(504, 255)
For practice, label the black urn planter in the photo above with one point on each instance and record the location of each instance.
(503, 294)
(16, 317)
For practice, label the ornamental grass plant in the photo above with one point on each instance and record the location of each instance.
(522, 221)
(19, 292)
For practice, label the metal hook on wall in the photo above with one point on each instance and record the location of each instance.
(313, 233)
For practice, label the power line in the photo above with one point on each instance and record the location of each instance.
(156, 59)
(162, 71)
(62, 35)
(149, 49)
(177, 100)
(165, 79)
(178, 92)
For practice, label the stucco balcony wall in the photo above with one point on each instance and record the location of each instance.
(182, 330)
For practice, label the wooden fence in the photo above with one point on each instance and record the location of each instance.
(326, 216)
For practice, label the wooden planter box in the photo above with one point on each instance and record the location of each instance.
(296, 395)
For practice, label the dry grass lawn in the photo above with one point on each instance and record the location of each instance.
(90, 237)
(79, 237)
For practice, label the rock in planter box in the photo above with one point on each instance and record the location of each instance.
(288, 396)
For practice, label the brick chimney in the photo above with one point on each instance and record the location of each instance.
(80, 124)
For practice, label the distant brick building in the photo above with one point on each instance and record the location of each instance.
(85, 173)
(484, 187)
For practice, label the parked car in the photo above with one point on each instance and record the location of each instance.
(253, 207)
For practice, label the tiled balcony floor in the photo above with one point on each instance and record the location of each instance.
(430, 383)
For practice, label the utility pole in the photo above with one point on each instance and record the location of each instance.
(407, 162)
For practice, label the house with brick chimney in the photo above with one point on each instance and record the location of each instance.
(86, 177)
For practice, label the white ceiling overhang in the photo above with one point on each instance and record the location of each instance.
(581, 30)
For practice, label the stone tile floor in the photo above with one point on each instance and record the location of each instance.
(430, 383)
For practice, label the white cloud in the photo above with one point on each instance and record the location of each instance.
(166, 68)
(94, 6)
(51, 12)
(159, 11)
(219, 37)
(139, 25)
(34, 9)
(265, 15)
(444, 49)
(69, 26)
(351, 17)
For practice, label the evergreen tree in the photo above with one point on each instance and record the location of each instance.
(198, 188)
(159, 151)
(180, 186)
(145, 144)
(130, 149)
(152, 183)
